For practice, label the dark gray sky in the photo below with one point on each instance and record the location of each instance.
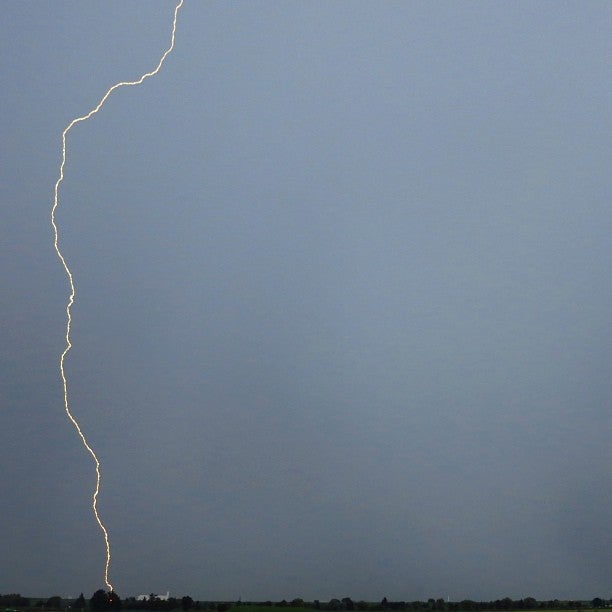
(343, 299)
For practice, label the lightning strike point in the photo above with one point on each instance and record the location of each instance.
(70, 277)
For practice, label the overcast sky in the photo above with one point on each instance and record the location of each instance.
(343, 315)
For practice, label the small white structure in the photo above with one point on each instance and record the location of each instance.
(154, 596)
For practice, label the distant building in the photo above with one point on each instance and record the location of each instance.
(154, 596)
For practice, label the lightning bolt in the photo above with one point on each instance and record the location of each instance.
(70, 302)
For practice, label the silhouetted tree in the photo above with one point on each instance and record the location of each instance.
(99, 600)
(186, 603)
(54, 602)
(114, 601)
(79, 602)
(15, 600)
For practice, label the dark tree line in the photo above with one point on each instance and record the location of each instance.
(440, 605)
(14, 600)
(174, 603)
(108, 601)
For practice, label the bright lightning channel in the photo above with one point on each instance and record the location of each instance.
(72, 286)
